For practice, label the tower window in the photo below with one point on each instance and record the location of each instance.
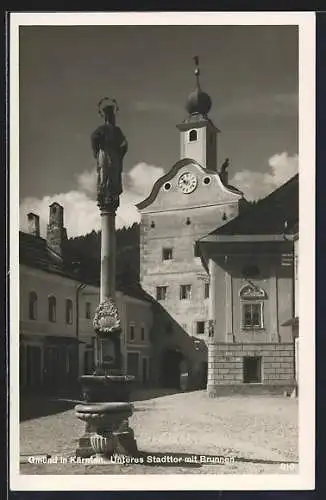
(161, 292)
(206, 290)
(200, 327)
(185, 292)
(167, 254)
(193, 135)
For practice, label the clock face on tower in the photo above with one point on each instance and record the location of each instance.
(187, 182)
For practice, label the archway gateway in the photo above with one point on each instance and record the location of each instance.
(171, 368)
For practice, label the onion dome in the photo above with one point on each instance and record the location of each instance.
(198, 102)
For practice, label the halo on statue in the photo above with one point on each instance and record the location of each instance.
(104, 102)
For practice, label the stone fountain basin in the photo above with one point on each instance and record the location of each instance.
(106, 388)
(103, 413)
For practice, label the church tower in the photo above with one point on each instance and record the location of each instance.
(198, 134)
(186, 203)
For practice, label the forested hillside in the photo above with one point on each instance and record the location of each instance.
(86, 250)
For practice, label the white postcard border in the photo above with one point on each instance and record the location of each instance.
(305, 479)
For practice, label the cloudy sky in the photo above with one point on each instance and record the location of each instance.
(251, 73)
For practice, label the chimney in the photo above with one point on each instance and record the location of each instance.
(56, 235)
(33, 224)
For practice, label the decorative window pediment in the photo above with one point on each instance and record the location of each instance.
(252, 292)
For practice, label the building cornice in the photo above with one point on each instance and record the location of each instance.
(244, 238)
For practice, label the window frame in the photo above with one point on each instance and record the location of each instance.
(32, 305)
(167, 249)
(161, 287)
(260, 305)
(69, 314)
(252, 295)
(204, 327)
(88, 310)
(185, 288)
(132, 327)
(193, 133)
(206, 290)
(52, 309)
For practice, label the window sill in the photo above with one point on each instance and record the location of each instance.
(253, 329)
(253, 383)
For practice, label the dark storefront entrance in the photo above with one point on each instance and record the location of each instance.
(60, 363)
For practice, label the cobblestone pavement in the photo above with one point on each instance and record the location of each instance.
(259, 432)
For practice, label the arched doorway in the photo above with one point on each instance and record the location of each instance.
(170, 369)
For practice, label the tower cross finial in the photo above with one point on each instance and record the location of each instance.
(197, 71)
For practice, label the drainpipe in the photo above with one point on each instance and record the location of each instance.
(291, 238)
(79, 289)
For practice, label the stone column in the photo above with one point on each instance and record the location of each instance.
(107, 317)
(108, 254)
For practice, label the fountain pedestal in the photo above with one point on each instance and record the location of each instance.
(101, 393)
(108, 429)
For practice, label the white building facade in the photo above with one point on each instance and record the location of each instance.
(57, 339)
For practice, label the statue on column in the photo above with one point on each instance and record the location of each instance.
(109, 147)
(225, 166)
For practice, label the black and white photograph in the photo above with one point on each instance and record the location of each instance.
(158, 167)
